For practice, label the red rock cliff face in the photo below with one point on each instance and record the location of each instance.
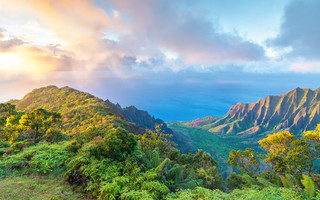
(295, 111)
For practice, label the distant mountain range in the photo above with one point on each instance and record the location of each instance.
(295, 111)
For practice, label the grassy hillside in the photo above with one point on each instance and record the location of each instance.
(37, 187)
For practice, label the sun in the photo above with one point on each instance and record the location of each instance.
(19, 63)
(10, 62)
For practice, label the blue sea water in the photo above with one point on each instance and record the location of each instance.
(180, 97)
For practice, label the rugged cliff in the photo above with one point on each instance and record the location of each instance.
(295, 111)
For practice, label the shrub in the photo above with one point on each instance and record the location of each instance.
(4, 144)
(235, 181)
(266, 193)
(42, 158)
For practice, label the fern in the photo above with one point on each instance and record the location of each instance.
(309, 186)
(285, 182)
(264, 182)
(317, 194)
(290, 179)
(177, 172)
(162, 165)
(155, 159)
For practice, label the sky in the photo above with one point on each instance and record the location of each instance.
(179, 60)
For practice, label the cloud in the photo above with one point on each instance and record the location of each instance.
(122, 38)
(80, 27)
(77, 26)
(305, 66)
(195, 39)
(19, 58)
(300, 30)
(7, 44)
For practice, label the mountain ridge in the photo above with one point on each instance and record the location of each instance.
(85, 106)
(295, 111)
(139, 117)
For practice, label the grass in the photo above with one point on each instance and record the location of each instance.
(36, 187)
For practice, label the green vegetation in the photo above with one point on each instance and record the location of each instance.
(103, 159)
(245, 160)
(190, 139)
(79, 110)
(244, 194)
(292, 162)
(36, 187)
(92, 149)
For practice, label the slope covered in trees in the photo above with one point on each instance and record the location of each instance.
(80, 110)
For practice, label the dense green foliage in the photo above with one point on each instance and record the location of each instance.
(106, 160)
(292, 162)
(245, 160)
(110, 163)
(42, 158)
(99, 153)
(36, 125)
(244, 194)
(190, 139)
(291, 155)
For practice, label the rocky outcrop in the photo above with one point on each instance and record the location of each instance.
(140, 117)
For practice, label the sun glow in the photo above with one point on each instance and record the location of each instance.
(10, 62)
(20, 63)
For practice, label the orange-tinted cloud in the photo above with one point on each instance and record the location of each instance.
(77, 25)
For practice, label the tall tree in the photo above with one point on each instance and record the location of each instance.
(156, 139)
(38, 124)
(287, 153)
(246, 161)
